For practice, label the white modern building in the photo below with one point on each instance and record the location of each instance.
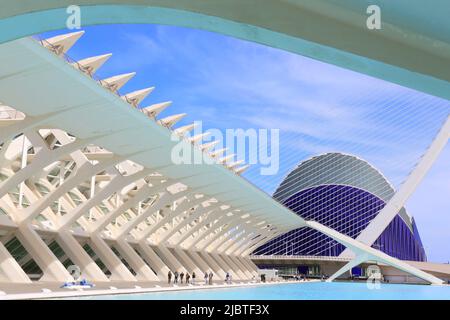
(87, 179)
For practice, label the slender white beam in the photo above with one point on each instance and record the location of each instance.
(376, 227)
(372, 254)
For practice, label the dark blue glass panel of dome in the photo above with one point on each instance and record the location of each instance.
(345, 209)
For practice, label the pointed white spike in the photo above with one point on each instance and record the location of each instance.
(181, 131)
(242, 169)
(137, 96)
(209, 145)
(116, 82)
(155, 109)
(62, 43)
(171, 120)
(226, 158)
(234, 164)
(218, 153)
(92, 64)
(199, 137)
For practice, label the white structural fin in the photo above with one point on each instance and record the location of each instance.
(181, 131)
(116, 82)
(234, 164)
(137, 96)
(209, 145)
(185, 129)
(155, 109)
(242, 169)
(171, 120)
(227, 158)
(92, 64)
(218, 153)
(62, 43)
(199, 137)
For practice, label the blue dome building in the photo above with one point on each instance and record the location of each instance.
(345, 193)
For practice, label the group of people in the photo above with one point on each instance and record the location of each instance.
(187, 277)
(208, 277)
(190, 279)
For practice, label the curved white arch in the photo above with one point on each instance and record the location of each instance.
(398, 52)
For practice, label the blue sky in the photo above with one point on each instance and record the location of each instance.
(229, 83)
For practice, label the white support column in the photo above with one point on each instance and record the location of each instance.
(153, 260)
(91, 195)
(50, 265)
(234, 266)
(61, 180)
(205, 264)
(241, 266)
(168, 258)
(226, 266)
(250, 265)
(79, 256)
(23, 164)
(143, 271)
(221, 270)
(186, 260)
(118, 270)
(10, 268)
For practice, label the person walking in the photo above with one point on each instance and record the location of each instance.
(188, 276)
(169, 277)
(176, 277)
(206, 277)
(193, 278)
(210, 277)
(181, 276)
(227, 278)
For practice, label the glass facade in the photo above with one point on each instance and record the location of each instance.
(348, 210)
